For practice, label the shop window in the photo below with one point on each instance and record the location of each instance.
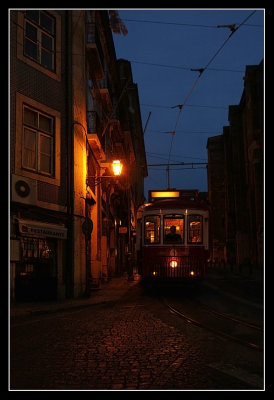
(34, 248)
(36, 273)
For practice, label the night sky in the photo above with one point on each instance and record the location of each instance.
(163, 46)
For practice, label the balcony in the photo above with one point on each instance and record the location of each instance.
(94, 134)
(94, 52)
(103, 89)
(116, 131)
(96, 147)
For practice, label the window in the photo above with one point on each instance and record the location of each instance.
(173, 228)
(152, 229)
(195, 229)
(39, 38)
(38, 141)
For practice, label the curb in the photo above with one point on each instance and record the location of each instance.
(101, 296)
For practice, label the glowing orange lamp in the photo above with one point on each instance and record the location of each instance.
(117, 167)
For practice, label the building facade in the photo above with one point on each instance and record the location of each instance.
(69, 119)
(236, 180)
(216, 197)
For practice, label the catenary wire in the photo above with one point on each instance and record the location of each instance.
(183, 24)
(182, 68)
(201, 71)
(186, 105)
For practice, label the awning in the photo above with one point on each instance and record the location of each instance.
(42, 229)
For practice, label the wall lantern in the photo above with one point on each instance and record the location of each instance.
(117, 167)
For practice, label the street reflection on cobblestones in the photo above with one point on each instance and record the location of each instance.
(133, 344)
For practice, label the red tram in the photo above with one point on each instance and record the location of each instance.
(172, 236)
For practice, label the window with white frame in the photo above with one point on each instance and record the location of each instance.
(38, 141)
(195, 229)
(39, 38)
(152, 229)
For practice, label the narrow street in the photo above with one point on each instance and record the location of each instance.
(132, 343)
(136, 149)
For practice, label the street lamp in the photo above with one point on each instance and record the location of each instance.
(116, 166)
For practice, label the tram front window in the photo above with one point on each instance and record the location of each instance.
(152, 229)
(195, 229)
(173, 228)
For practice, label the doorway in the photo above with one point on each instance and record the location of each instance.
(36, 274)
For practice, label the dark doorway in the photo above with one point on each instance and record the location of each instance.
(36, 274)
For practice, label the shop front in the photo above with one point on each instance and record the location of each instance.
(36, 261)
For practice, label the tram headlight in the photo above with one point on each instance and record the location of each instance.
(173, 263)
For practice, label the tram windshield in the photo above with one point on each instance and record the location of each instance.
(152, 229)
(173, 228)
(195, 229)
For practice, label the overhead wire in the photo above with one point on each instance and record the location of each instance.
(182, 24)
(186, 105)
(176, 123)
(183, 68)
(187, 131)
(233, 29)
(161, 156)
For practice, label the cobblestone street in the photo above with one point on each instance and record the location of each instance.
(136, 224)
(123, 345)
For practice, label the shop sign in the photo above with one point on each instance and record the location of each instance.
(42, 229)
(122, 229)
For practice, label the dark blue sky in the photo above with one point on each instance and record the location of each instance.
(178, 41)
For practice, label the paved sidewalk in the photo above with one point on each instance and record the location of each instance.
(110, 291)
(231, 284)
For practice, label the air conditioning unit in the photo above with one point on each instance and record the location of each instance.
(23, 190)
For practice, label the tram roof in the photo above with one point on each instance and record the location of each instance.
(169, 204)
(155, 195)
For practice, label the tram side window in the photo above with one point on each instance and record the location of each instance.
(152, 229)
(195, 229)
(173, 228)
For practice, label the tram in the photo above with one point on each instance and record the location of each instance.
(172, 236)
